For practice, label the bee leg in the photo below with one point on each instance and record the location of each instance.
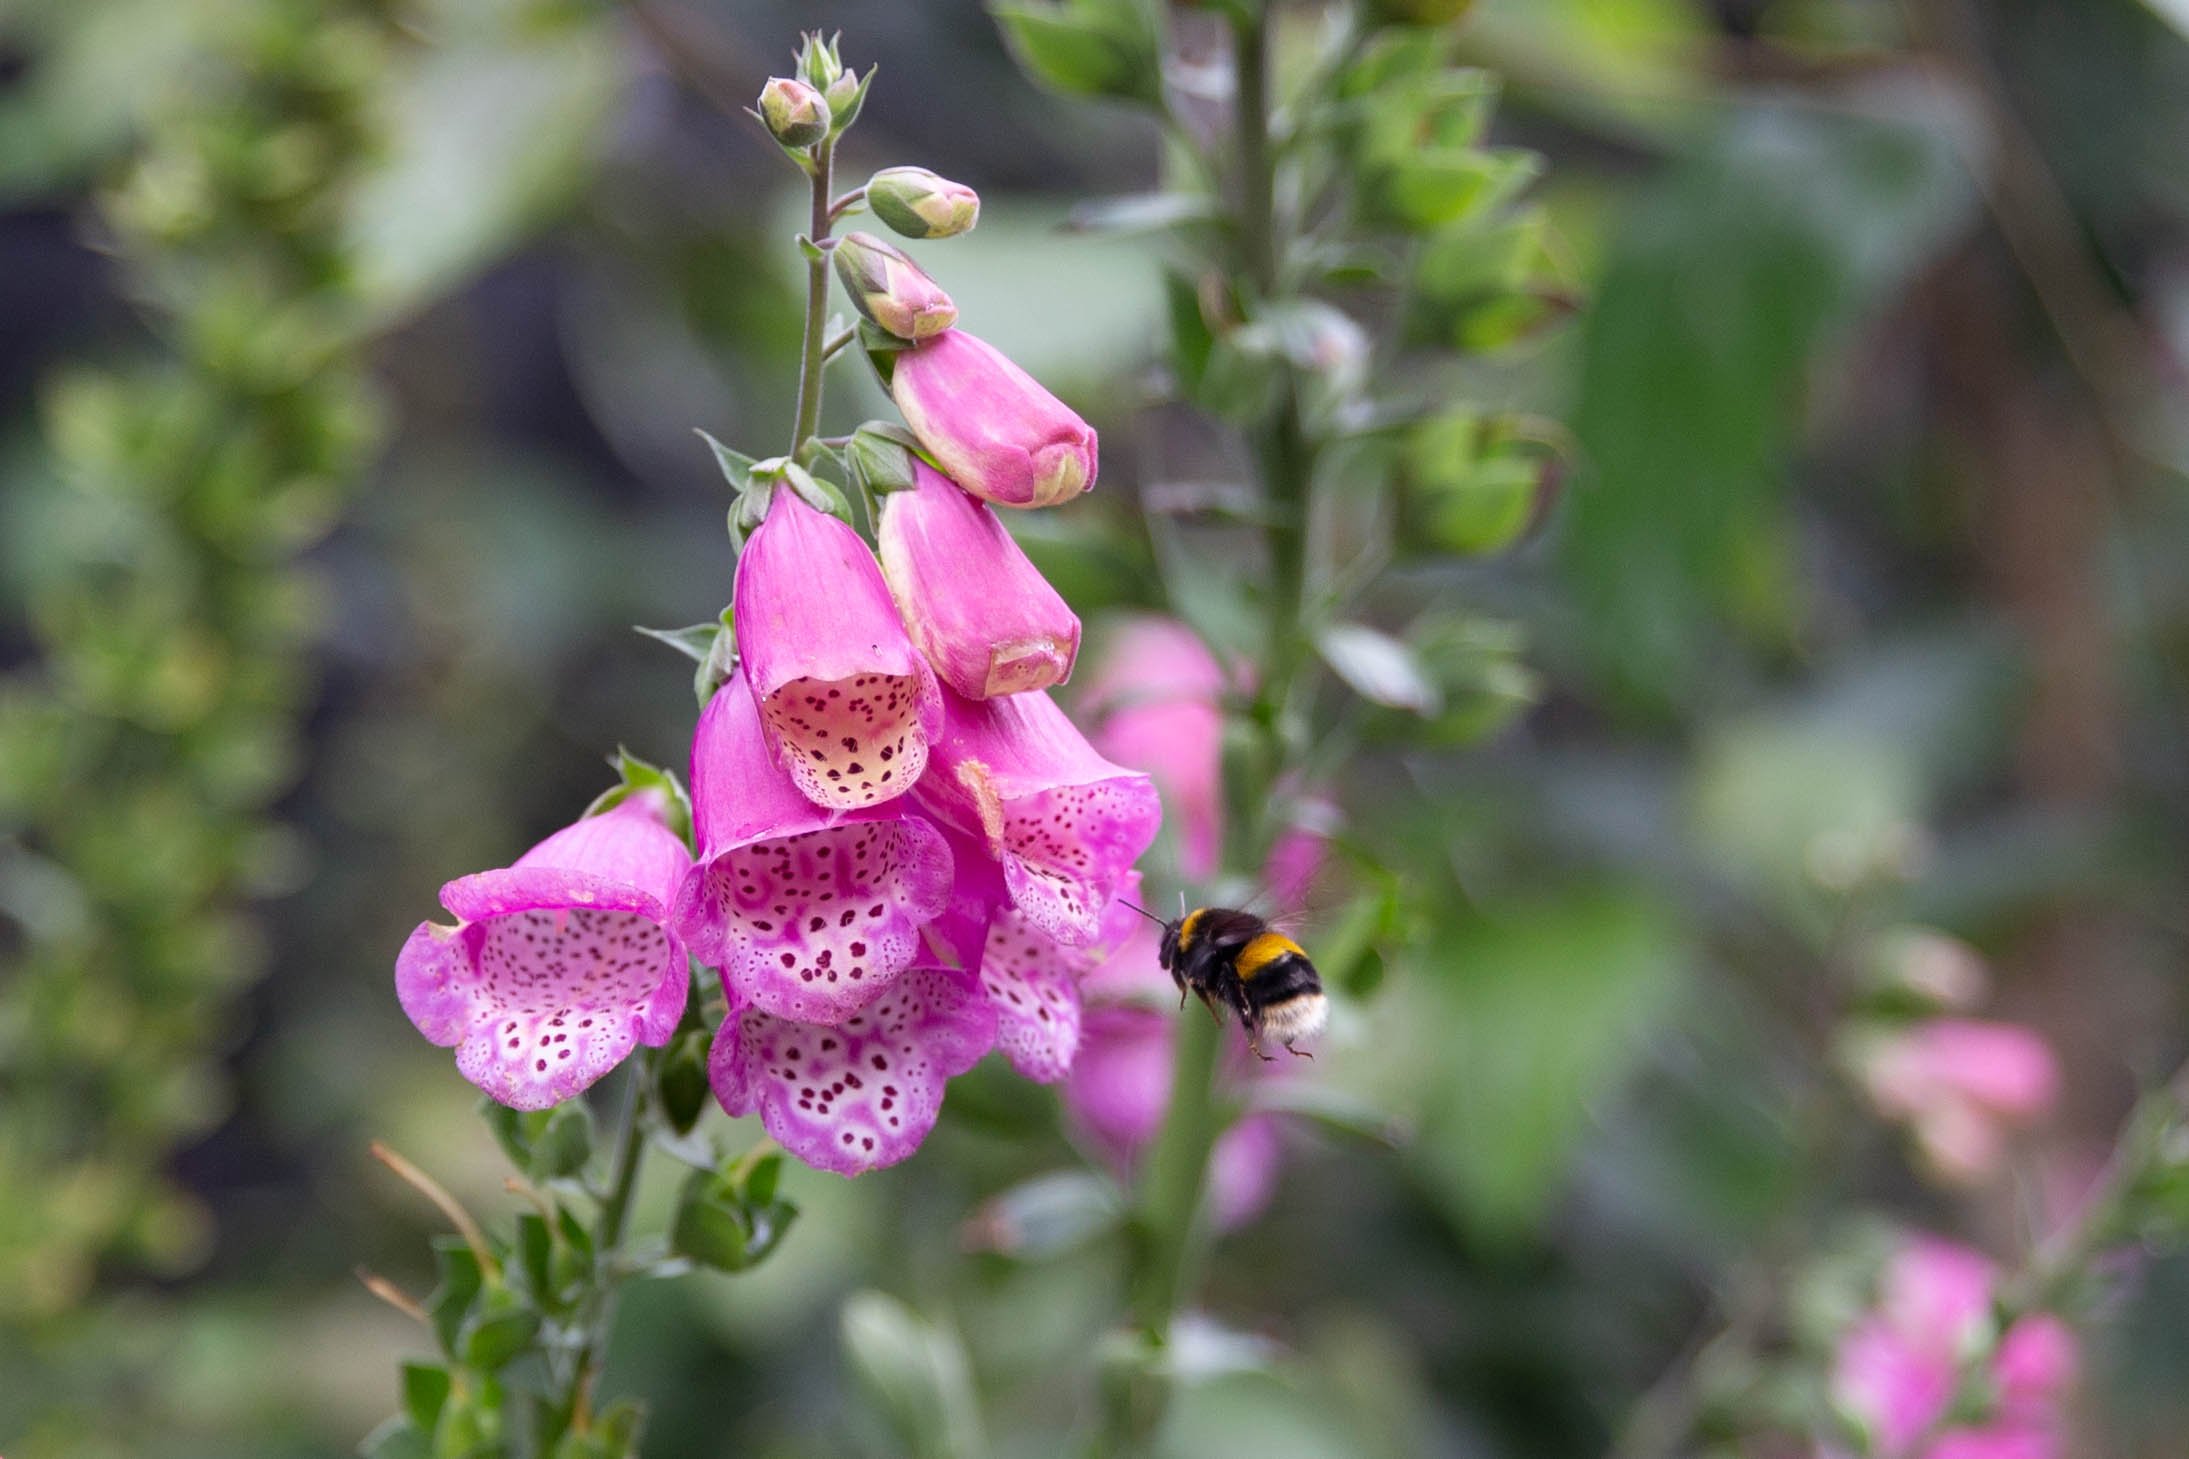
(1214, 1012)
(1298, 1053)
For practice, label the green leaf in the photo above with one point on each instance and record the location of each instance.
(502, 1326)
(460, 1282)
(1106, 48)
(731, 1223)
(1143, 213)
(1379, 668)
(425, 1389)
(565, 1144)
(1047, 1216)
(915, 1375)
(635, 775)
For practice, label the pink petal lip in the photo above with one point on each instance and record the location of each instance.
(861, 1095)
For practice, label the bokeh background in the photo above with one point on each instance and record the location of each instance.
(326, 506)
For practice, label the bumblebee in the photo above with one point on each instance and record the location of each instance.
(1233, 959)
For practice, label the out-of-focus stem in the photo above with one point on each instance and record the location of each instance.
(811, 356)
(1168, 1228)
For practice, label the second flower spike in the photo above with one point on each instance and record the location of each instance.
(985, 617)
(847, 703)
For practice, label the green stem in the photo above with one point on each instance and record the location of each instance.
(1168, 1229)
(811, 353)
(608, 1229)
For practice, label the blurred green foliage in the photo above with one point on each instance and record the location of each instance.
(1780, 681)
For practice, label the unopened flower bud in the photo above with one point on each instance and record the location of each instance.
(991, 427)
(795, 114)
(846, 94)
(819, 61)
(889, 288)
(919, 204)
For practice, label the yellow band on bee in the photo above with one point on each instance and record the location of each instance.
(1186, 928)
(1264, 950)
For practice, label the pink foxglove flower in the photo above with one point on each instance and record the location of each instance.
(864, 1093)
(848, 704)
(809, 913)
(1898, 1368)
(990, 425)
(1962, 1085)
(1065, 824)
(558, 964)
(985, 617)
(1033, 981)
(1155, 702)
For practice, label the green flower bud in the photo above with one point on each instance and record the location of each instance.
(918, 204)
(796, 114)
(819, 61)
(889, 288)
(846, 94)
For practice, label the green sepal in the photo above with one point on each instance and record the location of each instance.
(736, 465)
(633, 775)
(731, 1219)
(681, 1084)
(880, 456)
(695, 640)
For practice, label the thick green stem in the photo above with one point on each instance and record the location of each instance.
(1170, 1196)
(812, 354)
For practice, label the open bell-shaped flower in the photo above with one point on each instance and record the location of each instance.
(558, 964)
(809, 913)
(983, 614)
(863, 1093)
(991, 426)
(1065, 824)
(847, 703)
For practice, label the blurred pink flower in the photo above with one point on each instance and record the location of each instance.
(985, 617)
(848, 704)
(558, 964)
(991, 426)
(1899, 1367)
(1962, 1085)
(809, 913)
(1154, 699)
(1301, 852)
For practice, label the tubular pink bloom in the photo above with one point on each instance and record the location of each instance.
(1120, 1082)
(1033, 982)
(1962, 1084)
(1065, 824)
(809, 913)
(558, 964)
(983, 615)
(1155, 703)
(862, 1094)
(990, 425)
(2036, 1363)
(848, 704)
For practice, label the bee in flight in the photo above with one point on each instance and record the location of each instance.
(1233, 959)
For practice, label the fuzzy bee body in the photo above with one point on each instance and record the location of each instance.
(1236, 960)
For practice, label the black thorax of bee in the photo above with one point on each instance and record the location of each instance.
(1232, 959)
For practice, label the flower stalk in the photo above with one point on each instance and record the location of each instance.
(813, 353)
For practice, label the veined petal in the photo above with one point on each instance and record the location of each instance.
(1064, 823)
(1034, 983)
(809, 914)
(865, 1093)
(847, 703)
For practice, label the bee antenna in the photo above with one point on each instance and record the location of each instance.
(1143, 911)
